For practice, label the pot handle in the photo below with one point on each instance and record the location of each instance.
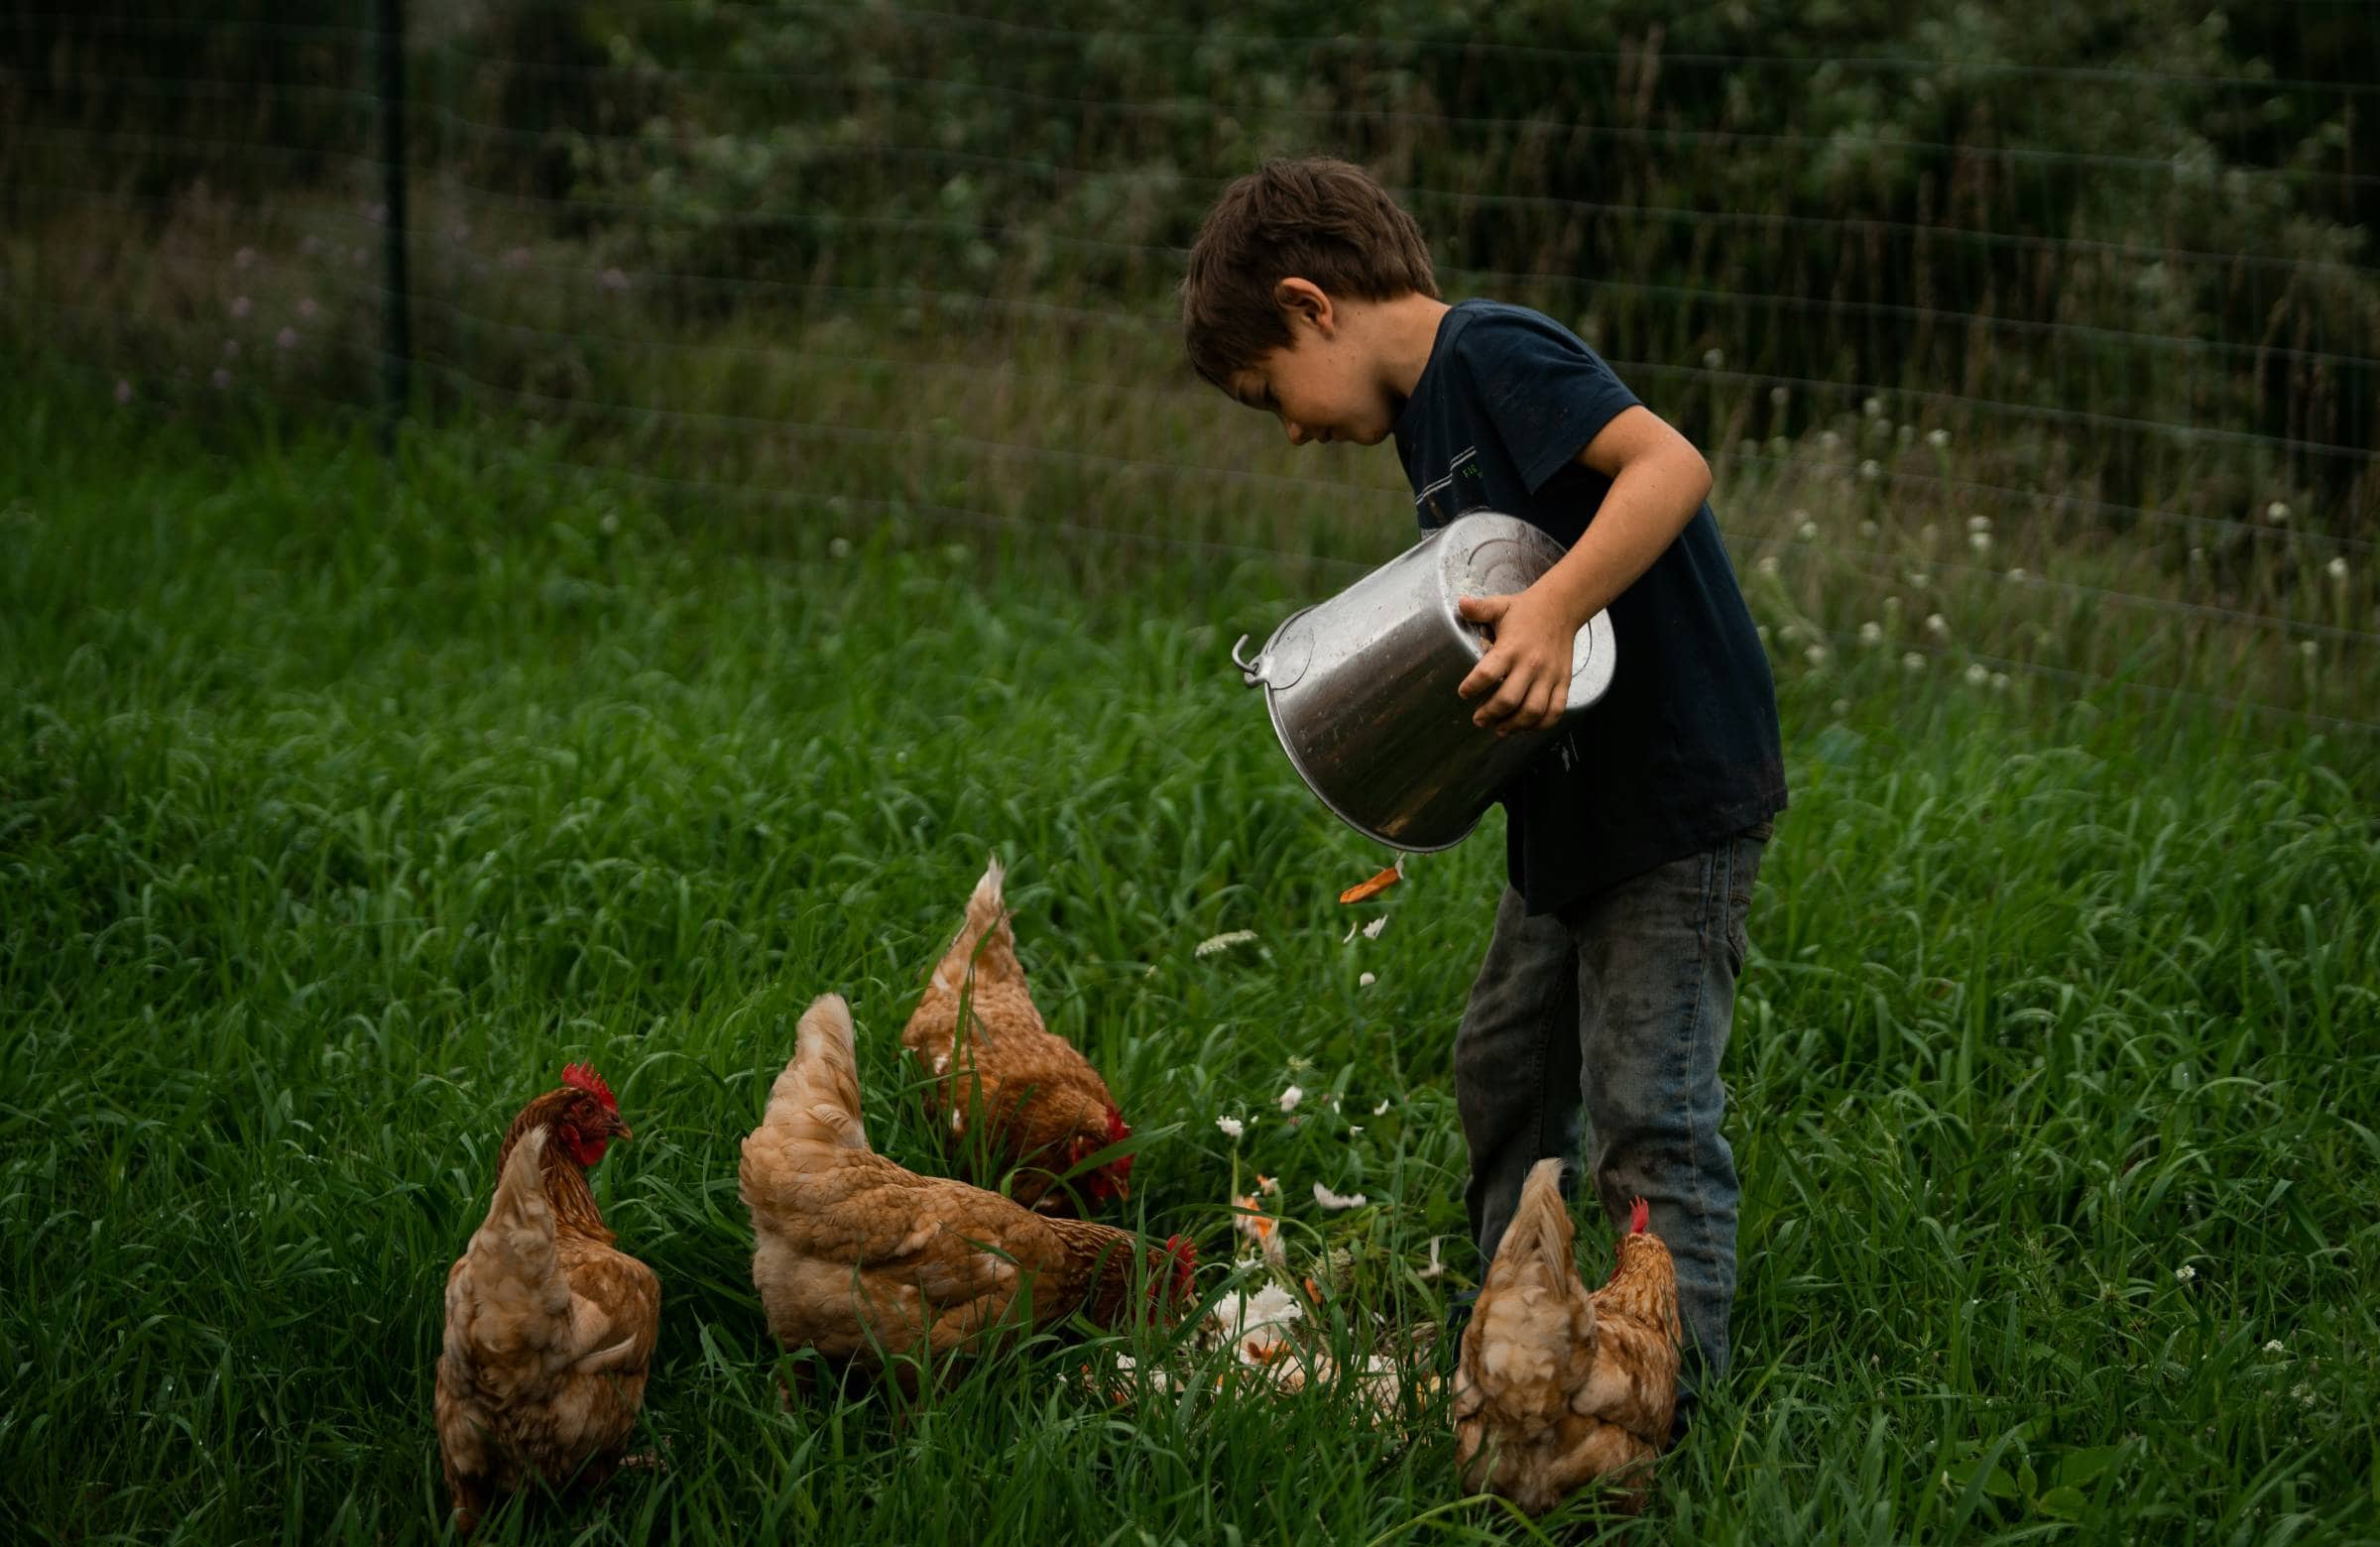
(1251, 672)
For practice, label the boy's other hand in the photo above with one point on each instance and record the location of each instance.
(1525, 675)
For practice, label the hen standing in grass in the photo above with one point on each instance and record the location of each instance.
(866, 1261)
(549, 1331)
(1558, 1388)
(1031, 1101)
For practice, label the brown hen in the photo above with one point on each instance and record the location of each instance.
(550, 1330)
(1006, 1086)
(1558, 1388)
(867, 1263)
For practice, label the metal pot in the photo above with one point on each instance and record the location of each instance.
(1362, 687)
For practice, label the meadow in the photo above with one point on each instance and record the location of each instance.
(344, 797)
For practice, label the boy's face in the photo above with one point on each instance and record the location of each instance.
(1321, 388)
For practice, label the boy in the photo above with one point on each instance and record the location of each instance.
(1632, 840)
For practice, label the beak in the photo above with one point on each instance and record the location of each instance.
(621, 1130)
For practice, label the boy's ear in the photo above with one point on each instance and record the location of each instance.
(1303, 300)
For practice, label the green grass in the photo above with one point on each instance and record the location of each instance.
(339, 808)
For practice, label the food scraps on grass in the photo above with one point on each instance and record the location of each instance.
(1365, 891)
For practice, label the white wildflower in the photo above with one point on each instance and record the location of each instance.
(1778, 397)
(2197, 557)
(1979, 524)
(1291, 1097)
(1224, 942)
(1980, 542)
(838, 548)
(1366, 981)
(1372, 931)
(1872, 406)
(1841, 707)
(1816, 654)
(1906, 435)
(1767, 564)
(1937, 625)
(1871, 634)
(1231, 1128)
(1713, 359)
(1383, 1109)
(2304, 1392)
(1331, 1200)
(2274, 1346)
(1762, 631)
(1938, 439)
(2017, 574)
(2277, 512)
(2308, 648)
(1871, 469)
(2184, 1274)
(1809, 531)
(1978, 675)
(1831, 441)
(1999, 681)
(2337, 569)
(1867, 528)
(1913, 661)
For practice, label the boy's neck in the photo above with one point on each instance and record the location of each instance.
(1399, 335)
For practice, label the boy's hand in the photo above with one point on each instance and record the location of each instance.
(1526, 670)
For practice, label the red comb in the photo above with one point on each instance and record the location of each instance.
(584, 1077)
(1638, 1216)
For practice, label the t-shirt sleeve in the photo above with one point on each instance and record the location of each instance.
(1547, 394)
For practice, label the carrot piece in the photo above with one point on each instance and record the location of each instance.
(1363, 890)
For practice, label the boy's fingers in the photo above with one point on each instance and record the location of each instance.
(1483, 609)
(1487, 675)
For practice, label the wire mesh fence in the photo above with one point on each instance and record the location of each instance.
(2042, 350)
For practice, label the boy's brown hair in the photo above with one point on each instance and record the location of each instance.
(1312, 218)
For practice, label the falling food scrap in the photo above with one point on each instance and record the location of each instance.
(1366, 890)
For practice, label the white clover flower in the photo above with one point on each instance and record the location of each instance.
(1381, 1109)
(1913, 661)
(1999, 681)
(1713, 359)
(1980, 542)
(241, 306)
(2308, 648)
(1938, 439)
(2274, 1346)
(1906, 435)
(1809, 531)
(1831, 441)
(2197, 557)
(1867, 528)
(1335, 1201)
(1892, 606)
(2304, 1392)
(2184, 1274)
(2277, 512)
(1871, 469)
(1761, 629)
(1372, 931)
(1978, 675)
(1291, 1097)
(1979, 524)
(1937, 625)
(838, 548)
(1871, 634)
(1366, 981)
(1231, 1128)
(286, 340)
(1768, 563)
(1816, 654)
(1791, 633)
(2337, 569)
(1872, 406)
(1841, 707)
(1223, 942)
(1777, 397)
(2017, 574)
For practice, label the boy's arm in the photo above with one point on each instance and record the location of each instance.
(1659, 482)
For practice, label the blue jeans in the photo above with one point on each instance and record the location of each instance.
(1605, 1022)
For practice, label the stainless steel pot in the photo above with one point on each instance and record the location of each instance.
(1362, 687)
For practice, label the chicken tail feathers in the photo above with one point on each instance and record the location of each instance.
(985, 943)
(1541, 1227)
(817, 1097)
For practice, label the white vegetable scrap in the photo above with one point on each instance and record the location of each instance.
(1331, 1200)
(1224, 942)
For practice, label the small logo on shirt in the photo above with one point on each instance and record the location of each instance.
(1464, 488)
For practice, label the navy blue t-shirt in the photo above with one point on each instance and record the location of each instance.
(1682, 751)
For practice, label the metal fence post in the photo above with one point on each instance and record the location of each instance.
(396, 374)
